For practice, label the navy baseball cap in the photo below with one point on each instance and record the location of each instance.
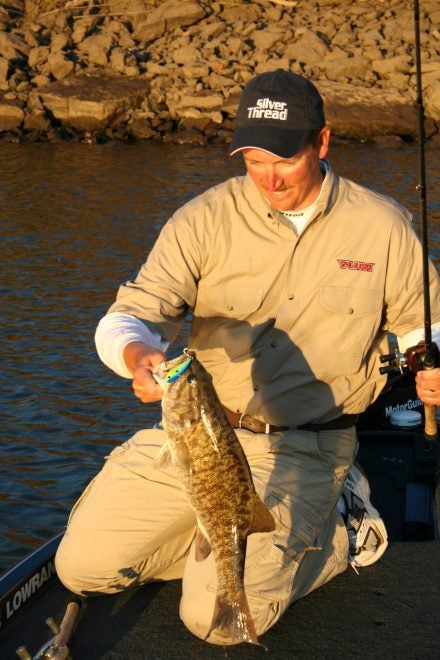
(276, 113)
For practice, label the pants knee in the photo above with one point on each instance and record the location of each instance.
(81, 575)
(67, 572)
(197, 608)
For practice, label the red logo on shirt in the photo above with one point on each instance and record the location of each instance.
(355, 265)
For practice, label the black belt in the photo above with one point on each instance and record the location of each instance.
(240, 420)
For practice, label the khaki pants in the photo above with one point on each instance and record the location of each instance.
(133, 524)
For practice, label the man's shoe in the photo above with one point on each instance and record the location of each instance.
(367, 534)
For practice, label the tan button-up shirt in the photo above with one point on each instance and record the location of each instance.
(290, 327)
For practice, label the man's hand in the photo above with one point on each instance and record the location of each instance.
(141, 360)
(428, 385)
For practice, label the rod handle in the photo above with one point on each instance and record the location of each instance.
(430, 421)
(67, 624)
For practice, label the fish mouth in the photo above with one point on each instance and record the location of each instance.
(161, 373)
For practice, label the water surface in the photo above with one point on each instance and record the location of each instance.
(75, 222)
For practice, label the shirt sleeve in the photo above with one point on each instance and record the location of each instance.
(412, 338)
(115, 331)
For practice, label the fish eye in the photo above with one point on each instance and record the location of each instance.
(191, 378)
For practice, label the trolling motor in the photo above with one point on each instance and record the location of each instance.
(426, 354)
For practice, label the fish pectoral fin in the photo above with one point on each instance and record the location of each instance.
(163, 458)
(263, 520)
(233, 618)
(202, 546)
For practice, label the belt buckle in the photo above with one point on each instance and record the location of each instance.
(240, 419)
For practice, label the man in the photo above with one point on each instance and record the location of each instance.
(294, 277)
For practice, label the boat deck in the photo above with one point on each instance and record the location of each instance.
(390, 610)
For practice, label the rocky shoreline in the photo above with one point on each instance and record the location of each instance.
(172, 70)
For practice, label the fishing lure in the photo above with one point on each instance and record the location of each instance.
(177, 371)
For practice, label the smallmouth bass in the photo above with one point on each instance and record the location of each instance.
(215, 475)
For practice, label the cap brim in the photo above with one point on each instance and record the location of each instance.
(283, 143)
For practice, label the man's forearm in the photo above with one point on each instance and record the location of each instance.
(115, 332)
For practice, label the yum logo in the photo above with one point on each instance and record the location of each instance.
(355, 265)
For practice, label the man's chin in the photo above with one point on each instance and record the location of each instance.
(278, 204)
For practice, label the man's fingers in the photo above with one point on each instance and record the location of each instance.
(144, 385)
(428, 386)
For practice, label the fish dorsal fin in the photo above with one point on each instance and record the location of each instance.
(263, 520)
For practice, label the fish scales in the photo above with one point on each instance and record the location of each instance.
(216, 477)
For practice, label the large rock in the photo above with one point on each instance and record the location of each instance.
(166, 17)
(432, 101)
(59, 66)
(350, 68)
(11, 114)
(36, 120)
(365, 113)
(38, 57)
(205, 104)
(98, 47)
(4, 72)
(12, 46)
(308, 47)
(391, 65)
(92, 102)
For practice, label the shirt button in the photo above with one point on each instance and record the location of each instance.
(350, 310)
(230, 307)
(290, 296)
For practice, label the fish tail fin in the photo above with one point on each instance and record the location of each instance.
(234, 618)
(263, 520)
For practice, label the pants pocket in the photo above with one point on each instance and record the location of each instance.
(271, 566)
(81, 499)
(116, 453)
(335, 448)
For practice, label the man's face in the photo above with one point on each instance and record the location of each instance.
(289, 184)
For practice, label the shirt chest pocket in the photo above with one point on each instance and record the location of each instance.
(231, 302)
(350, 303)
(345, 326)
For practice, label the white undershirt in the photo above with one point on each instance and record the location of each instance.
(299, 219)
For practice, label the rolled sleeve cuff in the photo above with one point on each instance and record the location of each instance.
(114, 332)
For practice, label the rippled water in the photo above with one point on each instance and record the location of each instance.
(75, 221)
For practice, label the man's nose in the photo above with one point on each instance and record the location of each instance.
(272, 180)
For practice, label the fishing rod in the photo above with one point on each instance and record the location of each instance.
(425, 355)
(429, 358)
